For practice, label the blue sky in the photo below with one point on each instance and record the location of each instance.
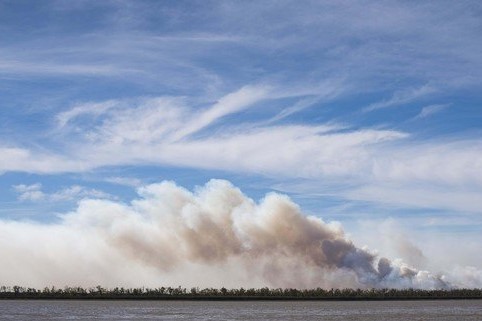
(367, 113)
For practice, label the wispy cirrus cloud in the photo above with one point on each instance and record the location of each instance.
(34, 193)
(430, 110)
(229, 104)
(20, 159)
(162, 131)
(149, 131)
(31, 192)
(16, 67)
(402, 97)
(126, 181)
(91, 109)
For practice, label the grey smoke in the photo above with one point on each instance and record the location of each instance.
(215, 236)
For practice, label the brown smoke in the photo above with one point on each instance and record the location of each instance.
(213, 237)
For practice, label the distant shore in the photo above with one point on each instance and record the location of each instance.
(223, 294)
(222, 298)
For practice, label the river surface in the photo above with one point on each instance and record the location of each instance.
(26, 310)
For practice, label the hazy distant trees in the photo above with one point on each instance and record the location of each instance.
(98, 292)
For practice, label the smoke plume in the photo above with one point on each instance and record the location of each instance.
(215, 236)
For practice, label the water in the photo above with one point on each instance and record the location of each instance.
(470, 310)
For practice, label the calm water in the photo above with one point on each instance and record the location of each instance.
(257, 310)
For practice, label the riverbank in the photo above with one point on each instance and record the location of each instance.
(223, 294)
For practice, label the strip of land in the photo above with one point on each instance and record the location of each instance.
(179, 293)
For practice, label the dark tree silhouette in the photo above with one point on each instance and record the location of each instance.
(169, 293)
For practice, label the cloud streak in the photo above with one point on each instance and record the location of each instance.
(35, 193)
(169, 131)
(430, 110)
(402, 97)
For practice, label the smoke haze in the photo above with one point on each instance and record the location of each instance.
(215, 236)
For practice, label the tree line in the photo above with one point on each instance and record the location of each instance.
(166, 293)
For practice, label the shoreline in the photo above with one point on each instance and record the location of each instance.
(261, 298)
(240, 294)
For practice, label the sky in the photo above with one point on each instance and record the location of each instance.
(365, 113)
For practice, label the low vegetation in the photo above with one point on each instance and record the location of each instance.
(169, 293)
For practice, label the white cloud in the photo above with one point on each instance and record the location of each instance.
(29, 192)
(454, 163)
(127, 181)
(289, 151)
(94, 109)
(402, 97)
(301, 150)
(413, 196)
(34, 193)
(75, 192)
(326, 91)
(25, 160)
(149, 131)
(229, 104)
(41, 68)
(431, 110)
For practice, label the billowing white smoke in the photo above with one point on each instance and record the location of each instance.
(213, 237)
